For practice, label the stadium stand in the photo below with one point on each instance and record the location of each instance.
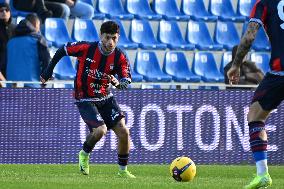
(135, 76)
(124, 42)
(113, 9)
(170, 34)
(205, 66)
(226, 58)
(97, 14)
(175, 64)
(196, 10)
(141, 10)
(15, 12)
(224, 10)
(184, 25)
(226, 34)
(147, 64)
(56, 32)
(64, 69)
(244, 7)
(169, 9)
(261, 59)
(142, 33)
(84, 30)
(198, 34)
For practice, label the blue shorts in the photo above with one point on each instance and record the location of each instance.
(270, 92)
(97, 113)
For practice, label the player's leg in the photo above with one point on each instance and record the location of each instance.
(267, 97)
(258, 142)
(98, 129)
(114, 119)
(122, 133)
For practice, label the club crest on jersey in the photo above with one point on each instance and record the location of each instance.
(111, 67)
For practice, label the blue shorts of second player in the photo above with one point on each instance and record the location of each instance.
(270, 92)
(97, 113)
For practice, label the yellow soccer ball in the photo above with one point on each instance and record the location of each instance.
(183, 169)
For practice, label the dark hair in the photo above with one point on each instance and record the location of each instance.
(6, 5)
(32, 18)
(109, 27)
(234, 51)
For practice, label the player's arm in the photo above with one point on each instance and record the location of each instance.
(123, 72)
(70, 49)
(246, 43)
(47, 73)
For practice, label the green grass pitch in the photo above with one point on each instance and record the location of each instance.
(148, 177)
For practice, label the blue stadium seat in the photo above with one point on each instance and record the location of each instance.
(261, 60)
(136, 77)
(142, 33)
(141, 10)
(56, 32)
(113, 9)
(224, 10)
(170, 34)
(64, 69)
(261, 42)
(244, 7)
(226, 34)
(84, 30)
(226, 58)
(198, 34)
(16, 12)
(169, 9)
(146, 64)
(175, 64)
(196, 10)
(97, 15)
(205, 66)
(123, 41)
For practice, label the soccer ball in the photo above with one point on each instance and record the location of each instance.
(183, 169)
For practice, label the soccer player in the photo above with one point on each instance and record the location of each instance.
(98, 62)
(270, 92)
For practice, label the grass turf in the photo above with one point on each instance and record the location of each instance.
(148, 177)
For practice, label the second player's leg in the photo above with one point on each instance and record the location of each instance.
(258, 143)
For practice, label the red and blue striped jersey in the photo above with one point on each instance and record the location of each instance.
(270, 14)
(94, 67)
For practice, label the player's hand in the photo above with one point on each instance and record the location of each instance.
(43, 81)
(113, 80)
(234, 74)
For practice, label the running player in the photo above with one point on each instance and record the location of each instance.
(97, 63)
(270, 92)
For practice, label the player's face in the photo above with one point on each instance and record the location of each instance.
(109, 41)
(5, 14)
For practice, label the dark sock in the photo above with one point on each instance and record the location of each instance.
(123, 159)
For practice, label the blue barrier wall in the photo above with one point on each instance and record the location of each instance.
(44, 126)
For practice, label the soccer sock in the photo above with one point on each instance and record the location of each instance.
(90, 143)
(258, 146)
(87, 148)
(123, 161)
(262, 167)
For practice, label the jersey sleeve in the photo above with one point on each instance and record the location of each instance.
(76, 48)
(124, 68)
(259, 12)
